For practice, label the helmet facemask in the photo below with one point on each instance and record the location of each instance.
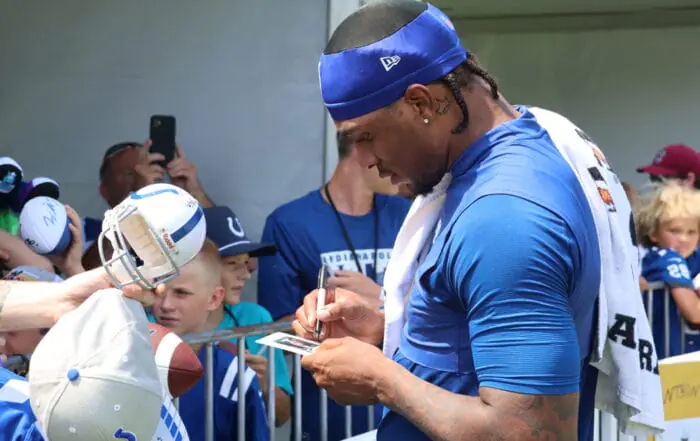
(139, 255)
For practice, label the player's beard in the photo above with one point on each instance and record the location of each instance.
(425, 183)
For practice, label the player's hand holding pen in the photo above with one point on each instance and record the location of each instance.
(351, 328)
(341, 313)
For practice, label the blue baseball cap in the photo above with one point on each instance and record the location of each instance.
(226, 231)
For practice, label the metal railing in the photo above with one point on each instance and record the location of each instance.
(605, 425)
(209, 338)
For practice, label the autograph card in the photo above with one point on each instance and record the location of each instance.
(289, 343)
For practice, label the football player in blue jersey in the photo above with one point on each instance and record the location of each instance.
(669, 225)
(500, 312)
(185, 307)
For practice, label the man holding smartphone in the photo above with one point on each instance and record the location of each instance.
(129, 166)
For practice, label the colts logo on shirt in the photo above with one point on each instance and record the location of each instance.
(603, 190)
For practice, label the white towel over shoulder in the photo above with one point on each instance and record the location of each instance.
(410, 243)
(626, 390)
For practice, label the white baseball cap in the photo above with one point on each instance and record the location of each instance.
(93, 376)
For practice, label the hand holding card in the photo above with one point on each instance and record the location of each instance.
(289, 343)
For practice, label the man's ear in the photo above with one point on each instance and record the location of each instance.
(420, 99)
(216, 298)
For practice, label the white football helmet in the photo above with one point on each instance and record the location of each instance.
(153, 232)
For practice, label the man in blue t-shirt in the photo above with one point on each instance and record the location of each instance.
(500, 309)
(350, 224)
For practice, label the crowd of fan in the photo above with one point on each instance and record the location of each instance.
(350, 225)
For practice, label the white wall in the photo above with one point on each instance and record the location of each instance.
(633, 91)
(240, 76)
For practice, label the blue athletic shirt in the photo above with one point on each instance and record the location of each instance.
(669, 267)
(506, 296)
(226, 373)
(17, 421)
(307, 232)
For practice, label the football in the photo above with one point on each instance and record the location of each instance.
(178, 366)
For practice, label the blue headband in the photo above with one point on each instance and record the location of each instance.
(361, 80)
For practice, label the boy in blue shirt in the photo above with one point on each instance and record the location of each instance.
(236, 250)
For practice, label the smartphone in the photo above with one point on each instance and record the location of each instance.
(162, 135)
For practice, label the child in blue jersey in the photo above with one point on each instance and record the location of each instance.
(669, 225)
(185, 307)
(237, 251)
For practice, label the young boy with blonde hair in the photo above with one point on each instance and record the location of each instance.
(668, 224)
(186, 307)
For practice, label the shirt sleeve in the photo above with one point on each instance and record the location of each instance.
(257, 428)
(279, 287)
(512, 264)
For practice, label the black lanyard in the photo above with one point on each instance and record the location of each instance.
(346, 235)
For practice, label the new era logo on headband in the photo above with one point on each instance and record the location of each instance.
(390, 62)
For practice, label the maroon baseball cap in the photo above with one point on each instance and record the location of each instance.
(674, 159)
